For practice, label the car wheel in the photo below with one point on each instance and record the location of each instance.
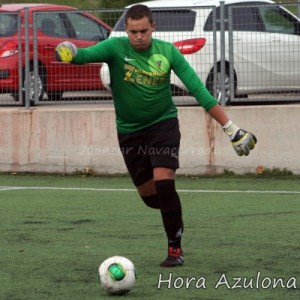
(54, 95)
(40, 86)
(216, 82)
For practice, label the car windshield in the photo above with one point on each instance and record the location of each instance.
(8, 24)
(167, 20)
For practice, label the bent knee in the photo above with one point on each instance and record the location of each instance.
(151, 201)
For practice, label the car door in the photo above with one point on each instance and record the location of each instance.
(51, 31)
(81, 29)
(251, 47)
(283, 29)
(85, 31)
(247, 46)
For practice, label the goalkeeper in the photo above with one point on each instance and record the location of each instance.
(146, 117)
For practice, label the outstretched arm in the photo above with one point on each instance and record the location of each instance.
(68, 52)
(242, 141)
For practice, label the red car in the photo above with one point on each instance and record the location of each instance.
(54, 23)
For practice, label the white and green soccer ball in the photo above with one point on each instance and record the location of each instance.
(117, 275)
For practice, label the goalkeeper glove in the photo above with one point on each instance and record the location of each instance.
(65, 52)
(242, 141)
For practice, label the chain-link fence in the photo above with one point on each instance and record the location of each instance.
(241, 52)
(263, 53)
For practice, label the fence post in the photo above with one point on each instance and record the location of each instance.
(27, 58)
(222, 49)
(215, 47)
(20, 57)
(231, 56)
(35, 60)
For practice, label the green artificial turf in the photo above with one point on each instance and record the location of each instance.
(241, 238)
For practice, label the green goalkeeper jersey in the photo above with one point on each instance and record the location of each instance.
(140, 81)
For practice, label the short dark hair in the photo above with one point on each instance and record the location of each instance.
(137, 12)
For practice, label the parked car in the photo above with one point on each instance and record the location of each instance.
(55, 23)
(266, 39)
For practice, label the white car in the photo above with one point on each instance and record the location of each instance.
(264, 42)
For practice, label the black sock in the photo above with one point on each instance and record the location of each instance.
(151, 201)
(171, 211)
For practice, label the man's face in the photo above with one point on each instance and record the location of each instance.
(140, 33)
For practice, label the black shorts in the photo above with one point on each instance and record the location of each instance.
(154, 146)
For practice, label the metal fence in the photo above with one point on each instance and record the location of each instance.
(245, 53)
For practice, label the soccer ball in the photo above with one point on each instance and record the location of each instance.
(117, 275)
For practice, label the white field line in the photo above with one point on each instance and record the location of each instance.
(11, 188)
